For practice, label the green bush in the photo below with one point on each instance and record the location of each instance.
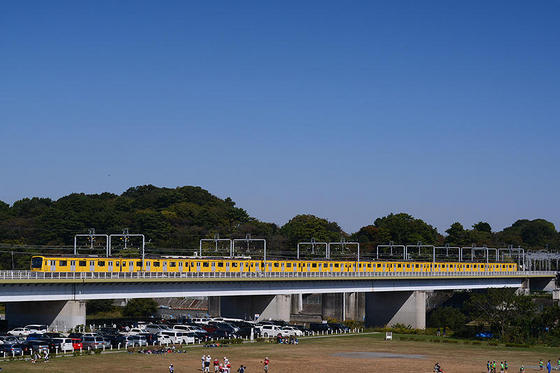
(492, 343)
(520, 345)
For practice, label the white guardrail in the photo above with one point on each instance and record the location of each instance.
(29, 275)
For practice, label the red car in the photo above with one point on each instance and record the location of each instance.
(77, 344)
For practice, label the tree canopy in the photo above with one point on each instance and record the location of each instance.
(177, 218)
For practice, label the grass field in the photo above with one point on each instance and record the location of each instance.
(324, 354)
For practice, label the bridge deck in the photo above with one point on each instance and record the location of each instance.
(23, 277)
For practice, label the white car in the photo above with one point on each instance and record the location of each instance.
(177, 337)
(135, 331)
(156, 328)
(270, 331)
(290, 331)
(37, 328)
(65, 344)
(19, 332)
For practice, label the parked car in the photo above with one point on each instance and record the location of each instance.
(9, 339)
(270, 330)
(19, 331)
(10, 349)
(53, 335)
(37, 328)
(34, 345)
(77, 344)
(178, 337)
(65, 344)
(339, 328)
(93, 343)
(34, 336)
(156, 328)
(220, 334)
(319, 327)
(134, 331)
(76, 335)
(290, 331)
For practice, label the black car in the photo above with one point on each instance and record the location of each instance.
(319, 327)
(221, 334)
(34, 345)
(338, 328)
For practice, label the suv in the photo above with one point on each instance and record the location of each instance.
(92, 343)
(270, 331)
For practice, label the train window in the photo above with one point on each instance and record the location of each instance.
(156, 264)
(234, 265)
(62, 262)
(117, 264)
(101, 263)
(82, 263)
(173, 264)
(277, 264)
(369, 265)
(139, 263)
(398, 266)
(378, 265)
(314, 265)
(336, 265)
(220, 265)
(205, 264)
(289, 265)
(468, 266)
(408, 266)
(417, 266)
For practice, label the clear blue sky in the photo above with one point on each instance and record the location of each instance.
(448, 110)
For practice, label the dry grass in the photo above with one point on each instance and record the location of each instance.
(311, 355)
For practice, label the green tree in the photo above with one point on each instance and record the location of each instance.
(140, 308)
(99, 305)
(446, 317)
(304, 227)
(508, 315)
(405, 229)
(482, 226)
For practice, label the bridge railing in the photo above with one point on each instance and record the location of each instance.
(29, 275)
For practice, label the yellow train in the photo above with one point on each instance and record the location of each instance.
(202, 265)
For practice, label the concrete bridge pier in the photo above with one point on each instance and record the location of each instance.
(59, 315)
(256, 307)
(399, 307)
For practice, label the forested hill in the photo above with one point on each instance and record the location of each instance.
(179, 217)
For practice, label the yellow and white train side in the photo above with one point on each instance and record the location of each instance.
(202, 265)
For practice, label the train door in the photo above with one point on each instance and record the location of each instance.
(92, 266)
(164, 265)
(148, 265)
(180, 266)
(53, 266)
(227, 266)
(282, 268)
(110, 266)
(73, 266)
(131, 266)
(308, 267)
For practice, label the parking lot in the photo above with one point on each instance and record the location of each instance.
(36, 341)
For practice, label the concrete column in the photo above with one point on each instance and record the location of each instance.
(60, 315)
(354, 306)
(297, 303)
(214, 306)
(331, 306)
(398, 307)
(267, 307)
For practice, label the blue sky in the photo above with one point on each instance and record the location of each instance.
(346, 110)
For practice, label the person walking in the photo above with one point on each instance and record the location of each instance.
(171, 369)
(548, 366)
(241, 369)
(501, 367)
(541, 364)
(488, 366)
(266, 363)
(521, 369)
(216, 365)
(202, 360)
(506, 366)
(207, 364)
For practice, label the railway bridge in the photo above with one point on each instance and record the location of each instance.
(58, 299)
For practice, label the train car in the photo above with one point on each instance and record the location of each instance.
(246, 265)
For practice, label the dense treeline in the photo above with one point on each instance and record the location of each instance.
(506, 315)
(177, 218)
